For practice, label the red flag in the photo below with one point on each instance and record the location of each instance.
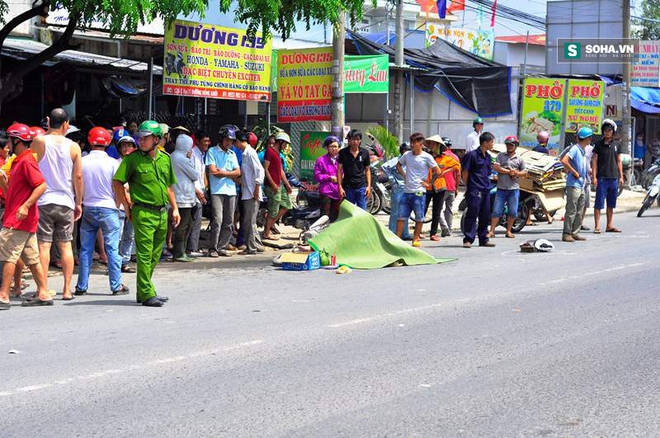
(492, 19)
(456, 6)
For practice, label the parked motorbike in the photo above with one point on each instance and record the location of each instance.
(518, 224)
(648, 176)
(380, 198)
(651, 196)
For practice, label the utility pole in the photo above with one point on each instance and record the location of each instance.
(627, 121)
(337, 109)
(398, 60)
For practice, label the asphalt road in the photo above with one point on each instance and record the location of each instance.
(498, 343)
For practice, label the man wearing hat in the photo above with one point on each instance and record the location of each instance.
(437, 185)
(472, 141)
(223, 168)
(150, 176)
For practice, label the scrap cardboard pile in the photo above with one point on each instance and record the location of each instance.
(546, 176)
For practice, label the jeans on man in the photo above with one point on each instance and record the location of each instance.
(574, 208)
(397, 194)
(249, 225)
(196, 229)
(510, 198)
(223, 221)
(478, 208)
(447, 216)
(357, 197)
(107, 220)
(127, 240)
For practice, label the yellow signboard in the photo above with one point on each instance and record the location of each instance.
(205, 60)
(304, 84)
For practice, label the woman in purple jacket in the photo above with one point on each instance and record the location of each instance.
(325, 172)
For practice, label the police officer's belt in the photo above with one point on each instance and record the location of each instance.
(150, 206)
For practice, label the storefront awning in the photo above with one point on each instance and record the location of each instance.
(23, 48)
(646, 100)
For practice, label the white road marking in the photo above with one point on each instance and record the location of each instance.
(129, 368)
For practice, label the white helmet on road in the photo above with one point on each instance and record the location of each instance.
(543, 245)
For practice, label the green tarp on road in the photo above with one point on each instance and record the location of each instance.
(361, 242)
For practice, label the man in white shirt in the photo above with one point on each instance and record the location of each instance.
(60, 206)
(472, 141)
(252, 177)
(198, 157)
(100, 212)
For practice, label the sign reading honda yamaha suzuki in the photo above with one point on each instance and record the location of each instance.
(602, 50)
(205, 60)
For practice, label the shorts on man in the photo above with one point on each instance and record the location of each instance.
(606, 190)
(277, 200)
(412, 202)
(15, 244)
(55, 221)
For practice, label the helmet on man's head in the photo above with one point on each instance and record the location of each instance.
(37, 130)
(447, 141)
(252, 139)
(478, 121)
(228, 131)
(543, 137)
(608, 123)
(149, 127)
(512, 139)
(118, 134)
(126, 139)
(405, 147)
(99, 136)
(584, 133)
(283, 136)
(20, 131)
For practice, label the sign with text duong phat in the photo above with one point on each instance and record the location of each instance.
(206, 60)
(304, 84)
(367, 74)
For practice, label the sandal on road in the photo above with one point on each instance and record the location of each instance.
(613, 230)
(123, 290)
(128, 269)
(36, 302)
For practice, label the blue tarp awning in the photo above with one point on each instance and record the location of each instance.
(646, 100)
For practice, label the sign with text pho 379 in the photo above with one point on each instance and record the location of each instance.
(304, 84)
(205, 60)
(367, 74)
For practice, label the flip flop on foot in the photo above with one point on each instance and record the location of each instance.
(510, 235)
(596, 231)
(613, 230)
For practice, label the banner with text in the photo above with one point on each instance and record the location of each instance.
(479, 42)
(205, 60)
(584, 105)
(304, 84)
(311, 148)
(367, 74)
(646, 65)
(542, 110)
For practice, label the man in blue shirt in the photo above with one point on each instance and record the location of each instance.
(222, 165)
(476, 170)
(575, 164)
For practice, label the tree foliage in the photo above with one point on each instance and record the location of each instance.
(645, 29)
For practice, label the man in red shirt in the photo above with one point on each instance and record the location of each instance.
(18, 238)
(276, 187)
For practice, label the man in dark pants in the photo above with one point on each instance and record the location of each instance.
(477, 167)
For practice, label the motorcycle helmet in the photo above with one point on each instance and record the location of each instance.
(126, 139)
(20, 131)
(543, 137)
(283, 136)
(477, 121)
(331, 139)
(585, 132)
(447, 141)
(99, 137)
(405, 147)
(119, 134)
(543, 245)
(149, 127)
(37, 130)
(252, 139)
(228, 131)
(608, 123)
(512, 139)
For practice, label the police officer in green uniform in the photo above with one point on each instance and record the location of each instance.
(150, 177)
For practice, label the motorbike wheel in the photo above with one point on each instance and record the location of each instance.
(387, 203)
(521, 220)
(646, 204)
(374, 202)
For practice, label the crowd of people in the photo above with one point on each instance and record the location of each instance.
(127, 199)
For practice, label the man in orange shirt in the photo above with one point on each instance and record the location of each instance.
(438, 184)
